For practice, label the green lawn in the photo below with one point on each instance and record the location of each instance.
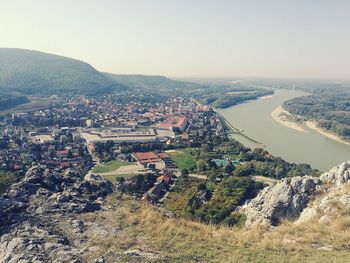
(113, 177)
(182, 159)
(109, 166)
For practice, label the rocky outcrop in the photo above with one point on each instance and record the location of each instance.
(32, 210)
(334, 200)
(338, 175)
(286, 199)
(301, 198)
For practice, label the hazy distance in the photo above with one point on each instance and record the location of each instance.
(294, 38)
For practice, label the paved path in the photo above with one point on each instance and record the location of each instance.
(198, 176)
(264, 179)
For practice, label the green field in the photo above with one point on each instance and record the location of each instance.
(182, 159)
(109, 166)
(113, 177)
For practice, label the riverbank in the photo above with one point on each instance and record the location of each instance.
(281, 116)
(313, 125)
(236, 131)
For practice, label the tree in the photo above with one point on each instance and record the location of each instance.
(201, 187)
(201, 165)
(70, 154)
(81, 151)
(229, 168)
(184, 172)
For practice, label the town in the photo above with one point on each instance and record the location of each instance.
(89, 135)
(176, 153)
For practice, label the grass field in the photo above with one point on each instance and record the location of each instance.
(113, 177)
(182, 159)
(109, 166)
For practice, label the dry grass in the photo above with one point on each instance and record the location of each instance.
(178, 240)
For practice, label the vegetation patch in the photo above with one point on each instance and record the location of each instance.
(6, 179)
(178, 198)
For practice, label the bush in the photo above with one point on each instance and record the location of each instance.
(6, 179)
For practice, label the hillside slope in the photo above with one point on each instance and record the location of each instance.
(33, 72)
(42, 222)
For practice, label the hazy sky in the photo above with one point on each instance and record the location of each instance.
(277, 38)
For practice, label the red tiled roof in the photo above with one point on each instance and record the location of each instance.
(146, 157)
(162, 155)
(164, 178)
(177, 122)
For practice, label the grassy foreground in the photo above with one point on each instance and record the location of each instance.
(142, 226)
(109, 166)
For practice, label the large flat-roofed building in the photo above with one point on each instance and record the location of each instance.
(125, 135)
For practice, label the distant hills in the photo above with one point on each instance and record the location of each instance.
(28, 72)
(32, 72)
(152, 83)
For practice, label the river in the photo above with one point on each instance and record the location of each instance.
(254, 118)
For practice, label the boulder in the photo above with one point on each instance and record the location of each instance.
(286, 199)
(290, 198)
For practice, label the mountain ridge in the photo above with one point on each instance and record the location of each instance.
(33, 72)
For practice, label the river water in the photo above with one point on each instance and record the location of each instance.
(254, 117)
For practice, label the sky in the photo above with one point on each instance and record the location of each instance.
(184, 38)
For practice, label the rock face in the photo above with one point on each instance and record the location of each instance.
(286, 199)
(334, 201)
(31, 210)
(338, 176)
(290, 198)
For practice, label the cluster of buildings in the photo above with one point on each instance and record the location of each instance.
(56, 148)
(64, 136)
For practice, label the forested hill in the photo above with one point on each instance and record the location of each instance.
(33, 72)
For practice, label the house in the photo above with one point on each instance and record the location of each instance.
(165, 178)
(156, 192)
